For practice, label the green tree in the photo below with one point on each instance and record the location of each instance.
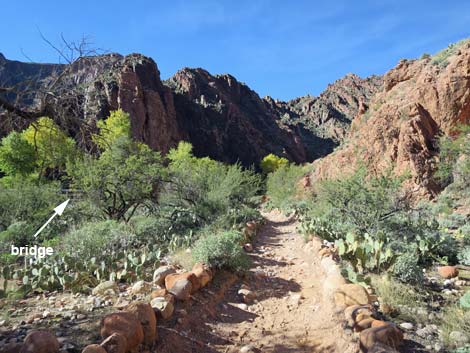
(208, 189)
(271, 163)
(53, 147)
(125, 176)
(116, 126)
(17, 155)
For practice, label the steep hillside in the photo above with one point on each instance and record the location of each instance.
(221, 117)
(420, 100)
(330, 114)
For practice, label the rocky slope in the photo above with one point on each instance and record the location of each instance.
(420, 100)
(221, 117)
(330, 114)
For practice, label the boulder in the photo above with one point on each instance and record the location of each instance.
(160, 274)
(173, 278)
(380, 323)
(94, 348)
(140, 287)
(158, 293)
(448, 271)
(181, 289)
(40, 342)
(351, 294)
(145, 314)
(363, 324)
(351, 313)
(162, 308)
(125, 324)
(203, 274)
(116, 343)
(388, 335)
(247, 295)
(104, 288)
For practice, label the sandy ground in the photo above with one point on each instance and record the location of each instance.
(289, 315)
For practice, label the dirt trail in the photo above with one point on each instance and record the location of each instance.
(290, 314)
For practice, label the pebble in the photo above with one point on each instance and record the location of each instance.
(406, 325)
(247, 349)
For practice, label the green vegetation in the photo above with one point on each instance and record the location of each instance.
(440, 58)
(282, 187)
(271, 163)
(130, 206)
(222, 251)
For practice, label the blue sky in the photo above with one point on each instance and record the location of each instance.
(281, 48)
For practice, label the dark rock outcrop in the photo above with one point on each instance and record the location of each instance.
(223, 118)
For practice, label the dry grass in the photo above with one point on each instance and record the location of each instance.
(454, 319)
(182, 258)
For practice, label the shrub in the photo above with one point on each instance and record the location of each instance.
(17, 155)
(454, 319)
(282, 186)
(221, 251)
(97, 240)
(121, 179)
(454, 159)
(406, 269)
(23, 200)
(464, 301)
(271, 163)
(441, 57)
(464, 256)
(19, 234)
(202, 191)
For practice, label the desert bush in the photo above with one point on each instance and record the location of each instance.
(454, 318)
(397, 295)
(282, 186)
(201, 191)
(271, 163)
(464, 301)
(464, 255)
(407, 270)
(441, 57)
(97, 239)
(26, 200)
(121, 179)
(222, 250)
(454, 159)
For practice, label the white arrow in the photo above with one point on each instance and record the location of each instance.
(57, 211)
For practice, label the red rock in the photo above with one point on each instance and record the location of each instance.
(94, 348)
(182, 289)
(448, 271)
(400, 126)
(40, 342)
(158, 293)
(171, 280)
(351, 294)
(363, 324)
(146, 315)
(202, 273)
(125, 324)
(388, 335)
(116, 343)
(380, 323)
